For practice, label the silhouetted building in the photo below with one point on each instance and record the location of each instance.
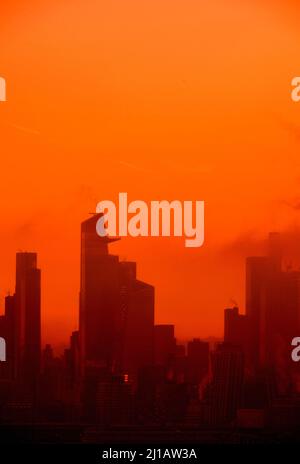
(273, 309)
(138, 348)
(197, 361)
(120, 372)
(180, 364)
(236, 330)
(99, 299)
(52, 384)
(259, 271)
(114, 403)
(27, 321)
(72, 361)
(164, 344)
(10, 316)
(225, 391)
(4, 372)
(116, 332)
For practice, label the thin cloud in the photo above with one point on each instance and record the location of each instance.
(26, 130)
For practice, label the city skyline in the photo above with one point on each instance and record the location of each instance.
(213, 338)
(121, 370)
(134, 103)
(150, 224)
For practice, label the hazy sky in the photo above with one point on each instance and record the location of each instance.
(163, 99)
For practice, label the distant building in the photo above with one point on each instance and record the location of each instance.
(272, 309)
(164, 344)
(237, 330)
(197, 362)
(114, 403)
(116, 329)
(225, 391)
(27, 321)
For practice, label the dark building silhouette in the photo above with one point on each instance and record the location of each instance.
(72, 360)
(138, 349)
(236, 330)
(51, 381)
(164, 344)
(180, 363)
(10, 315)
(116, 309)
(258, 278)
(225, 391)
(197, 361)
(27, 320)
(4, 367)
(116, 316)
(121, 374)
(7, 331)
(114, 403)
(272, 309)
(99, 299)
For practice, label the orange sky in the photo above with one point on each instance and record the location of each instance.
(163, 99)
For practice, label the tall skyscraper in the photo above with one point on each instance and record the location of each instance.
(261, 273)
(27, 320)
(164, 344)
(116, 309)
(10, 315)
(225, 393)
(237, 329)
(138, 346)
(273, 312)
(99, 299)
(197, 361)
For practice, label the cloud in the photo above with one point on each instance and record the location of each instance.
(253, 244)
(293, 203)
(26, 130)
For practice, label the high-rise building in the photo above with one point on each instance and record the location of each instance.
(260, 272)
(114, 402)
(3, 362)
(27, 320)
(273, 311)
(164, 344)
(116, 309)
(237, 330)
(225, 394)
(197, 361)
(99, 299)
(138, 331)
(7, 332)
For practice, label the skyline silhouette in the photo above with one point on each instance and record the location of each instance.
(156, 124)
(122, 371)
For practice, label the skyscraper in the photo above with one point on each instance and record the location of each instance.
(99, 299)
(138, 347)
(164, 344)
(227, 381)
(116, 309)
(273, 312)
(197, 361)
(27, 320)
(260, 278)
(236, 329)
